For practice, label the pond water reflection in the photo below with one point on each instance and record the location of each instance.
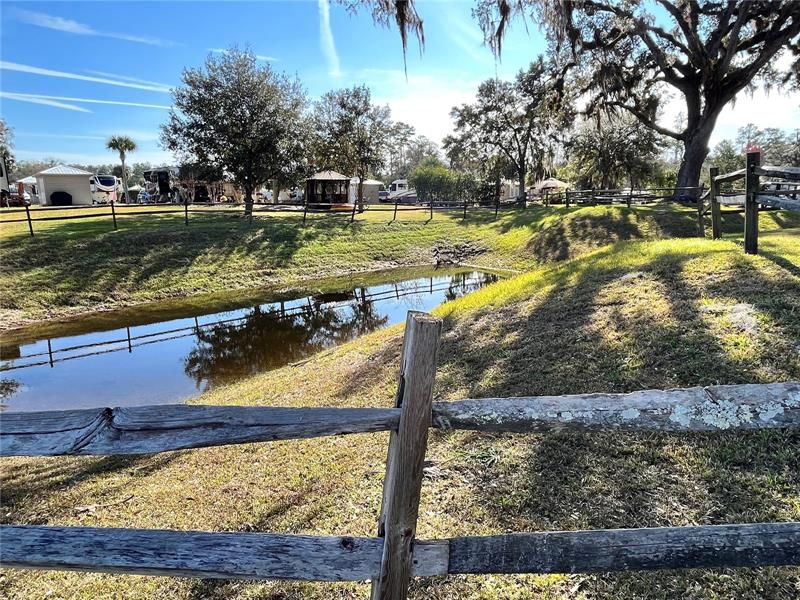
(172, 359)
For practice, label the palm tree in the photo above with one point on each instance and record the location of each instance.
(122, 144)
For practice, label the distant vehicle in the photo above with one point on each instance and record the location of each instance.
(409, 197)
(397, 187)
(103, 188)
(143, 197)
(383, 196)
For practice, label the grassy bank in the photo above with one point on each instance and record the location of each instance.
(73, 267)
(634, 315)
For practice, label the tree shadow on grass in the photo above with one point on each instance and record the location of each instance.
(584, 337)
(24, 483)
(71, 259)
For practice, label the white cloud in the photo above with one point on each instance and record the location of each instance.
(466, 36)
(11, 66)
(57, 23)
(127, 78)
(264, 57)
(327, 45)
(424, 101)
(30, 99)
(42, 97)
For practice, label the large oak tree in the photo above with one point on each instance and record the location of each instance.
(240, 117)
(630, 52)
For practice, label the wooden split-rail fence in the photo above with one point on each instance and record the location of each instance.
(394, 556)
(782, 194)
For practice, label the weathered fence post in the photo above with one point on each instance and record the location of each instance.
(431, 209)
(496, 206)
(566, 198)
(113, 214)
(28, 215)
(465, 209)
(701, 227)
(716, 216)
(394, 217)
(353, 214)
(305, 207)
(403, 482)
(186, 210)
(751, 203)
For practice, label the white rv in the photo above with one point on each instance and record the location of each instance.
(104, 188)
(397, 187)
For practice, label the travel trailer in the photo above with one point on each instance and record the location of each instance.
(104, 188)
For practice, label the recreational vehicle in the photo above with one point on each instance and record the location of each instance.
(397, 187)
(104, 188)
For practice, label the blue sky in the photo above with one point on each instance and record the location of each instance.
(74, 73)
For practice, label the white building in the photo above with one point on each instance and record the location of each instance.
(62, 186)
(371, 188)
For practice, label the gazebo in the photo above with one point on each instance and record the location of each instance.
(327, 187)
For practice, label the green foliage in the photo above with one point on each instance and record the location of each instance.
(779, 146)
(436, 183)
(240, 117)
(6, 146)
(519, 120)
(613, 152)
(351, 133)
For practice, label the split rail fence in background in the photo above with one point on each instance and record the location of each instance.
(191, 210)
(783, 194)
(394, 556)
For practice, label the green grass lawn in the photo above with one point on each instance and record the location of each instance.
(631, 315)
(83, 265)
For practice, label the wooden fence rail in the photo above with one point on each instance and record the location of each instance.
(328, 558)
(161, 428)
(753, 195)
(395, 555)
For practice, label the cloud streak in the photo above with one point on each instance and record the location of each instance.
(326, 42)
(56, 23)
(11, 66)
(58, 100)
(43, 101)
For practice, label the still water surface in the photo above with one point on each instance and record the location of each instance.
(170, 360)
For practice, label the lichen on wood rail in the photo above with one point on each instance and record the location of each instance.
(712, 408)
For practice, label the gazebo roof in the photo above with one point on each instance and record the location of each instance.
(329, 176)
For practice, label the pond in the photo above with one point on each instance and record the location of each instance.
(167, 354)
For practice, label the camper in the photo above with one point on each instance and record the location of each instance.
(104, 188)
(397, 187)
(161, 184)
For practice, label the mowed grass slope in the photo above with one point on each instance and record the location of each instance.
(651, 314)
(79, 266)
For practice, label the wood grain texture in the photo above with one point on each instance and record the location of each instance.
(403, 482)
(158, 428)
(713, 408)
(732, 176)
(767, 199)
(207, 555)
(751, 185)
(756, 545)
(790, 173)
(716, 215)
